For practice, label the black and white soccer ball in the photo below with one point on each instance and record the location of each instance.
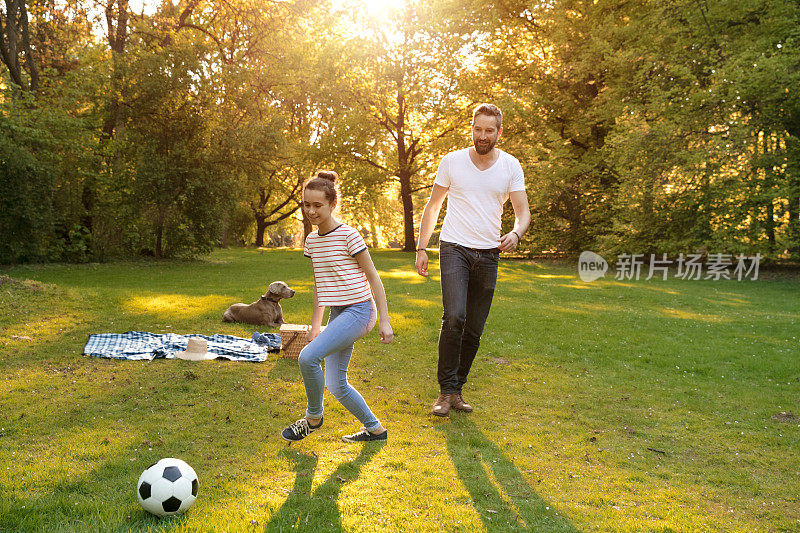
(168, 487)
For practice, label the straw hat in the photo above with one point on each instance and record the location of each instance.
(196, 350)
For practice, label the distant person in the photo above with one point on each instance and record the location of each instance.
(478, 181)
(345, 280)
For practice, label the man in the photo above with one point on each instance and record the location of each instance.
(478, 181)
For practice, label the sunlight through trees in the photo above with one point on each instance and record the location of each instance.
(166, 129)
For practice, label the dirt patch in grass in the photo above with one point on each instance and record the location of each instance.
(784, 416)
(34, 286)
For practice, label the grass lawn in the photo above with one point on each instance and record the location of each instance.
(611, 406)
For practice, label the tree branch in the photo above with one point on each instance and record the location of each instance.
(370, 162)
(283, 216)
(283, 204)
(209, 34)
(708, 26)
(422, 188)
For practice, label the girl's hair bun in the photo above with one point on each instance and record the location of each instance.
(325, 181)
(329, 175)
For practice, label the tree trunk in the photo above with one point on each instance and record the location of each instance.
(404, 163)
(14, 41)
(266, 217)
(117, 34)
(769, 225)
(408, 211)
(33, 71)
(376, 242)
(261, 227)
(117, 27)
(794, 225)
(307, 228)
(570, 209)
(159, 239)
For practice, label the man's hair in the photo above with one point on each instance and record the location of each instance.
(490, 110)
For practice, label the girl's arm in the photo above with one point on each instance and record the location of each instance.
(317, 314)
(385, 329)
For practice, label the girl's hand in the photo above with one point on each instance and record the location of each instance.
(387, 335)
(312, 333)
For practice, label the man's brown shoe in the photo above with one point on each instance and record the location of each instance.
(457, 402)
(441, 407)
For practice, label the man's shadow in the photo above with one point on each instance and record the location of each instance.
(475, 457)
(317, 511)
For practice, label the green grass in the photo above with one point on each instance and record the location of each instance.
(611, 406)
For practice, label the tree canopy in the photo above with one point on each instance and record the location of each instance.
(642, 126)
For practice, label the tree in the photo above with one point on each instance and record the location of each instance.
(117, 17)
(545, 67)
(758, 77)
(25, 225)
(639, 120)
(15, 44)
(171, 189)
(264, 120)
(398, 104)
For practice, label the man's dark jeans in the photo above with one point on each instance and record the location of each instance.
(468, 280)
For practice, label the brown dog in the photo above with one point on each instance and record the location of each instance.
(264, 311)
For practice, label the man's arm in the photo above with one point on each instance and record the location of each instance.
(429, 217)
(522, 214)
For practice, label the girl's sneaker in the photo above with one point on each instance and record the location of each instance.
(299, 430)
(365, 436)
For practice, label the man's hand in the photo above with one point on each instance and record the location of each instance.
(422, 263)
(509, 242)
(387, 335)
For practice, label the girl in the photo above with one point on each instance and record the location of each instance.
(345, 280)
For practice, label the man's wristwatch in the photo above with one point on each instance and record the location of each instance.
(421, 250)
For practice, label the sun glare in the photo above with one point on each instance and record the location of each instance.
(364, 17)
(145, 7)
(382, 9)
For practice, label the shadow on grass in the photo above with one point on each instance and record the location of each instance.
(305, 510)
(99, 500)
(499, 492)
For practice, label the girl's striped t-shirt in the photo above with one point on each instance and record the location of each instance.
(339, 278)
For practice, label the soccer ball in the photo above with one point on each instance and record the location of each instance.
(167, 487)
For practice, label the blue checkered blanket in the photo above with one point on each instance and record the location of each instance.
(140, 345)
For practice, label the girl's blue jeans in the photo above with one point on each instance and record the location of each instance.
(334, 345)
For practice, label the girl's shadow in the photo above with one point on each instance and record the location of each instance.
(317, 511)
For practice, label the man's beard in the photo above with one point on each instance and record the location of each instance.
(484, 149)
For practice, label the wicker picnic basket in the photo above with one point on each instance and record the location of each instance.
(293, 339)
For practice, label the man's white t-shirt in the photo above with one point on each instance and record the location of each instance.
(476, 197)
